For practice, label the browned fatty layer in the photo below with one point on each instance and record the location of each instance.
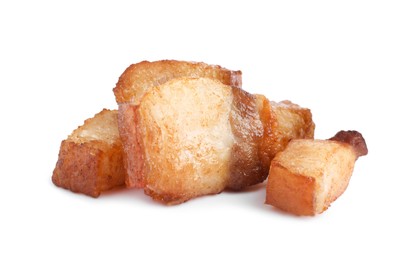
(139, 77)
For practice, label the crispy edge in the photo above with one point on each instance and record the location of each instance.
(167, 198)
(290, 192)
(77, 168)
(137, 78)
(89, 168)
(274, 119)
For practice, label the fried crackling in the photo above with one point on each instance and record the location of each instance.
(309, 175)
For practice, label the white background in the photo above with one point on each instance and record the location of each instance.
(351, 62)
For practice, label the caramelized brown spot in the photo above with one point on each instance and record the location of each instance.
(245, 166)
(354, 138)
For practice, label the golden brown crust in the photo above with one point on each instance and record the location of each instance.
(283, 122)
(89, 168)
(327, 163)
(167, 198)
(90, 163)
(141, 76)
(290, 192)
(77, 169)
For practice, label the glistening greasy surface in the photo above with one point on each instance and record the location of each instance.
(246, 168)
